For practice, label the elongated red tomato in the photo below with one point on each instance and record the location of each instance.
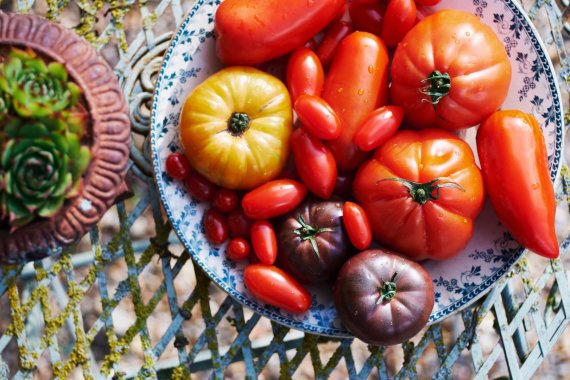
(367, 17)
(356, 84)
(250, 32)
(177, 166)
(305, 75)
(271, 285)
(378, 127)
(514, 163)
(264, 241)
(273, 198)
(317, 117)
(399, 19)
(357, 225)
(215, 226)
(315, 163)
(331, 40)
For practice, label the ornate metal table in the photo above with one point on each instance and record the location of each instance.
(128, 302)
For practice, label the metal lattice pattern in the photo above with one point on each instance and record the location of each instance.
(49, 332)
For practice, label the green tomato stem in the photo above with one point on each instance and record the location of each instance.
(437, 86)
(425, 192)
(238, 123)
(308, 232)
(388, 290)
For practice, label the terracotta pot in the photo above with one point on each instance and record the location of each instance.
(108, 132)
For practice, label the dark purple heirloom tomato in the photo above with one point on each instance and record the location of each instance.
(313, 244)
(382, 298)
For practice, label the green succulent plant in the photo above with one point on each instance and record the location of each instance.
(36, 89)
(42, 164)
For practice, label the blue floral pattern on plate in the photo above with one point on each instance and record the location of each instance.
(458, 282)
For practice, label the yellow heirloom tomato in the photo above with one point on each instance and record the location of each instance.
(235, 127)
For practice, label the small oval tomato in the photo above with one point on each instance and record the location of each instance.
(273, 286)
(200, 187)
(238, 249)
(357, 225)
(215, 226)
(317, 117)
(305, 75)
(399, 19)
(264, 241)
(515, 168)
(367, 17)
(225, 200)
(378, 127)
(239, 224)
(331, 40)
(273, 198)
(315, 163)
(177, 166)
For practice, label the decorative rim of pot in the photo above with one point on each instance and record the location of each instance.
(109, 127)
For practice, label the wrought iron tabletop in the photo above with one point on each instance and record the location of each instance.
(128, 302)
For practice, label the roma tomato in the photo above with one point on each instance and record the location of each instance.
(235, 127)
(399, 19)
(422, 192)
(177, 166)
(317, 117)
(382, 298)
(250, 32)
(356, 84)
(239, 224)
(238, 249)
(199, 187)
(451, 71)
(331, 40)
(357, 225)
(271, 285)
(225, 200)
(315, 163)
(378, 126)
(215, 226)
(515, 168)
(367, 17)
(264, 241)
(273, 198)
(305, 75)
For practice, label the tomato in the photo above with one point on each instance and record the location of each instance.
(315, 163)
(177, 166)
(215, 226)
(317, 117)
(250, 32)
(378, 126)
(399, 19)
(422, 192)
(357, 225)
(199, 187)
(305, 75)
(264, 241)
(367, 17)
(343, 185)
(450, 71)
(273, 286)
(331, 40)
(235, 127)
(238, 223)
(382, 298)
(273, 198)
(311, 44)
(514, 162)
(238, 249)
(356, 84)
(225, 200)
(427, 2)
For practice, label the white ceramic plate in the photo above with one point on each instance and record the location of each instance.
(458, 282)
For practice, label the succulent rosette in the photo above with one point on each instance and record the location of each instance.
(34, 88)
(42, 163)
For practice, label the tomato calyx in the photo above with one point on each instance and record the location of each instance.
(437, 86)
(425, 192)
(388, 290)
(238, 123)
(308, 232)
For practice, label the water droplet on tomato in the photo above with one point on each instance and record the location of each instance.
(465, 220)
(339, 90)
(360, 92)
(371, 69)
(535, 186)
